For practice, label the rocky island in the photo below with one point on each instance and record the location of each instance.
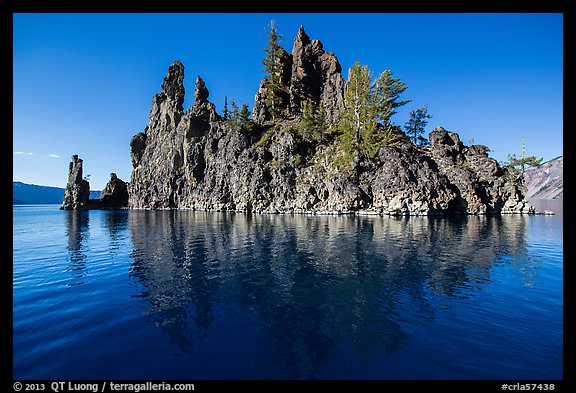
(285, 160)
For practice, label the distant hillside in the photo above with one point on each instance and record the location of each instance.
(23, 193)
(546, 181)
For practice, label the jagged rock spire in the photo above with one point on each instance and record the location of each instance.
(167, 106)
(314, 75)
(306, 81)
(202, 108)
(77, 191)
(301, 40)
(201, 92)
(173, 84)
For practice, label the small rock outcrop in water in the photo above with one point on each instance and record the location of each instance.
(77, 194)
(195, 159)
(115, 194)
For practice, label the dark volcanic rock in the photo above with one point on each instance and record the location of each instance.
(137, 145)
(196, 160)
(477, 177)
(173, 85)
(161, 155)
(202, 108)
(115, 194)
(316, 76)
(260, 111)
(309, 73)
(409, 182)
(77, 192)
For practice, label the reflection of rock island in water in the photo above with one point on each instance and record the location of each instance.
(195, 159)
(314, 284)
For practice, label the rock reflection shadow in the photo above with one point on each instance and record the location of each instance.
(316, 284)
(116, 223)
(77, 230)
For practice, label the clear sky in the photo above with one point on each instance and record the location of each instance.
(83, 83)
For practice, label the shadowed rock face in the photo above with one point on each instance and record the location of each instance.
(115, 194)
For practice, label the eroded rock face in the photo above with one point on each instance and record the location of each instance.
(202, 108)
(77, 192)
(316, 76)
(162, 172)
(224, 166)
(260, 111)
(309, 73)
(478, 178)
(156, 152)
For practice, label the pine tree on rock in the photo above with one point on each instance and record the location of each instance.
(313, 123)
(357, 118)
(226, 111)
(385, 96)
(244, 116)
(321, 122)
(272, 68)
(415, 127)
(523, 161)
(365, 124)
(235, 112)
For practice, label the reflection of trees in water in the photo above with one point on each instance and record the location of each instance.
(78, 234)
(317, 284)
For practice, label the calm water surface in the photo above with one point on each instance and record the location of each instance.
(193, 295)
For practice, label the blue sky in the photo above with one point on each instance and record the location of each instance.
(83, 83)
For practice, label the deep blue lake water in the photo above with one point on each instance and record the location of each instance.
(193, 295)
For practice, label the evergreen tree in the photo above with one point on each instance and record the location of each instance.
(365, 124)
(244, 116)
(272, 68)
(235, 113)
(307, 123)
(385, 96)
(416, 125)
(523, 161)
(357, 117)
(313, 121)
(225, 111)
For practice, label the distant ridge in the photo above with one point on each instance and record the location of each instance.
(23, 193)
(546, 181)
